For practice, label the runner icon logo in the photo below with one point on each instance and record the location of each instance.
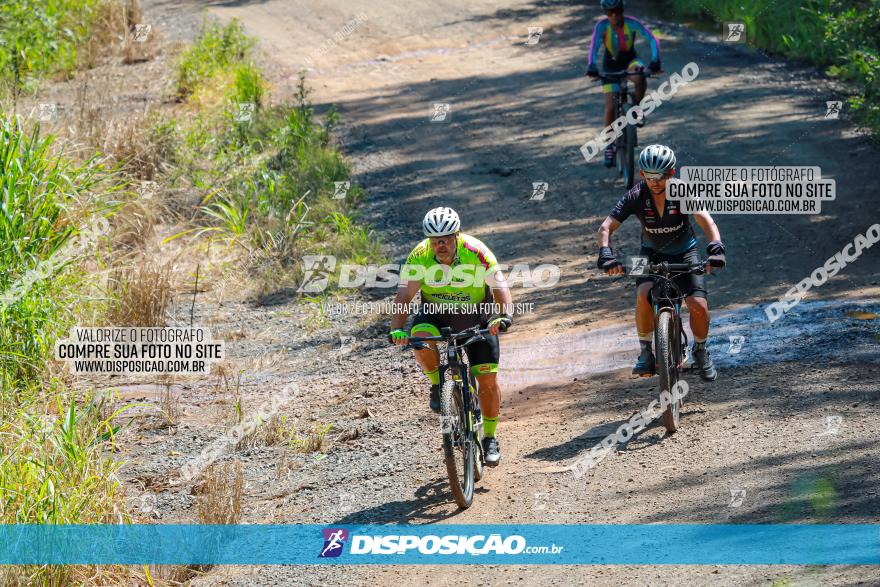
(440, 112)
(735, 32)
(47, 112)
(736, 344)
(340, 189)
(141, 32)
(737, 496)
(638, 265)
(334, 540)
(535, 33)
(316, 272)
(539, 190)
(832, 109)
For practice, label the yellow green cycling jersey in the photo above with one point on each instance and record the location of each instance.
(463, 282)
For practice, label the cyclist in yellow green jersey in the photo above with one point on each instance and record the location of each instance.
(458, 277)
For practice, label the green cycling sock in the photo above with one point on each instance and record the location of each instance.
(489, 425)
(434, 376)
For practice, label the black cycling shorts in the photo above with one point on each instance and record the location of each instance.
(482, 356)
(689, 284)
(622, 62)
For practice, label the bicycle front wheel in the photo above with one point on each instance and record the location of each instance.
(667, 366)
(629, 161)
(458, 446)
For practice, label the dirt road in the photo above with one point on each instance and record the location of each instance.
(518, 114)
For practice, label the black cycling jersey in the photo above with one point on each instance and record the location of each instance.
(670, 234)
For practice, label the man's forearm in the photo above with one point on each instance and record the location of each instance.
(503, 299)
(604, 236)
(398, 311)
(712, 233)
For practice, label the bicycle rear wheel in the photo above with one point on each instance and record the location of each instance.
(667, 365)
(458, 447)
(477, 427)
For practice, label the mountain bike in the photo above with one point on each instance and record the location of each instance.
(670, 339)
(624, 99)
(460, 418)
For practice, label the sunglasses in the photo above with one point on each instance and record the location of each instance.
(655, 176)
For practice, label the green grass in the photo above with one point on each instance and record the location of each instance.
(57, 471)
(44, 37)
(217, 48)
(54, 463)
(844, 36)
(44, 228)
(267, 177)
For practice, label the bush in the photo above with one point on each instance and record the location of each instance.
(40, 237)
(217, 48)
(40, 37)
(842, 35)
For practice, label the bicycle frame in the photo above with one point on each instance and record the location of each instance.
(670, 340)
(667, 297)
(456, 364)
(627, 139)
(623, 94)
(461, 405)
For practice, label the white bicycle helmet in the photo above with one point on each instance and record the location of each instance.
(657, 159)
(441, 222)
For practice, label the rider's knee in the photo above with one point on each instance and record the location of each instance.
(697, 304)
(489, 381)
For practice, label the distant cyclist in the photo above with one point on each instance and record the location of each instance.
(667, 235)
(463, 305)
(617, 33)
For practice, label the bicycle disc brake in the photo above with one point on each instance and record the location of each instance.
(685, 351)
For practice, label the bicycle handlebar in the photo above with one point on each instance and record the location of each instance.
(474, 334)
(614, 76)
(665, 268)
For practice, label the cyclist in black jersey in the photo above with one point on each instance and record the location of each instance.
(667, 235)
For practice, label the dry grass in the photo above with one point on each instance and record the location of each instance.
(134, 225)
(117, 23)
(286, 465)
(64, 575)
(277, 430)
(135, 143)
(313, 441)
(169, 404)
(133, 134)
(136, 146)
(218, 493)
(141, 295)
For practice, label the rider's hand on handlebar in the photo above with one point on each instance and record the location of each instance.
(654, 67)
(592, 72)
(614, 268)
(717, 259)
(608, 262)
(716, 262)
(499, 322)
(398, 336)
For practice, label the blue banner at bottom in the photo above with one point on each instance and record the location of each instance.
(689, 544)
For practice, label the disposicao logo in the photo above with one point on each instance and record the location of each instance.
(334, 540)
